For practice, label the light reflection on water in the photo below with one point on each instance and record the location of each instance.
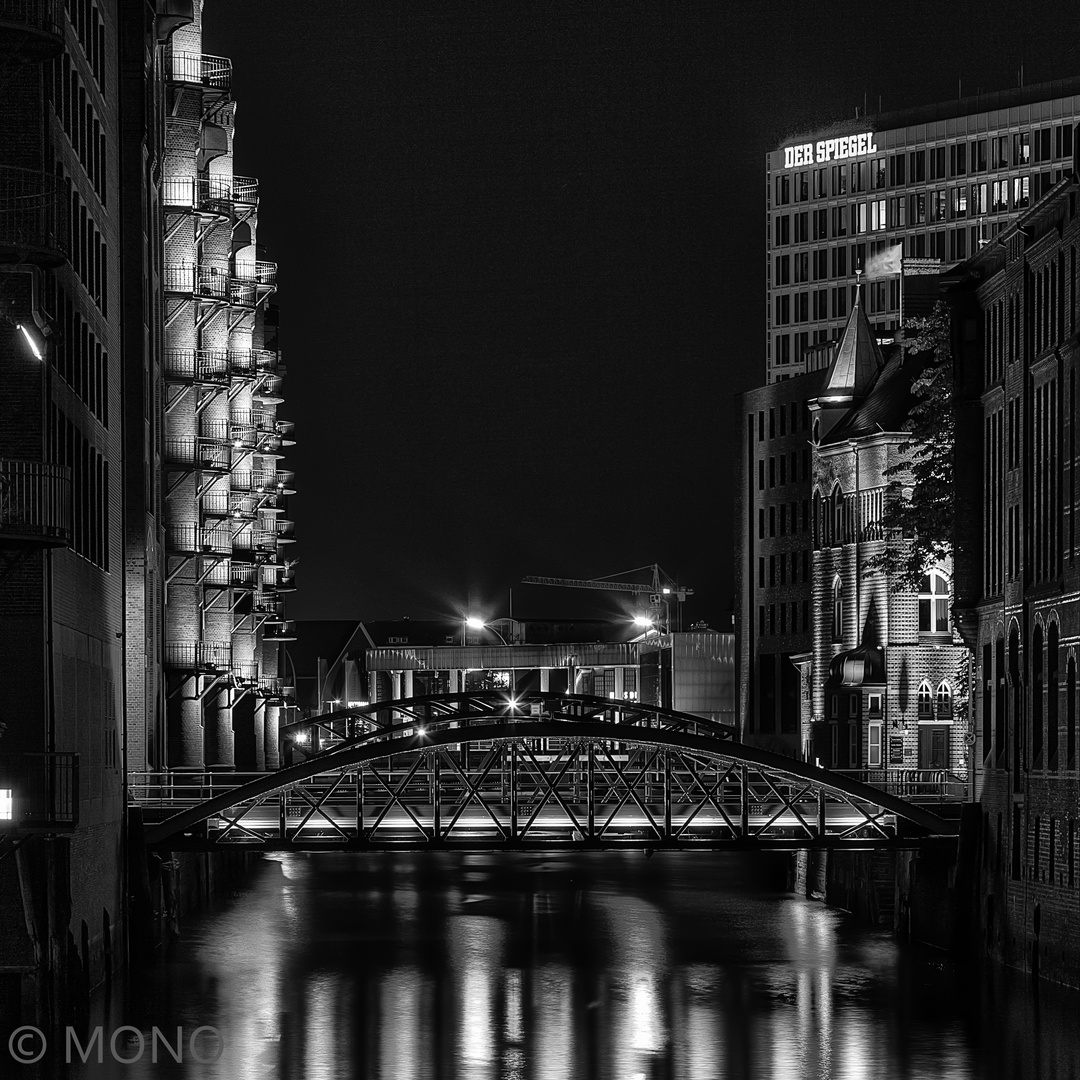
(420, 966)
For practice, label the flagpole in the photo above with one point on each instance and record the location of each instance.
(901, 295)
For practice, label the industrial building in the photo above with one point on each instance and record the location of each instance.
(142, 543)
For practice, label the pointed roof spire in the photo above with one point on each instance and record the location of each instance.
(857, 358)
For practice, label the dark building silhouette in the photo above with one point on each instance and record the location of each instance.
(1017, 554)
(141, 496)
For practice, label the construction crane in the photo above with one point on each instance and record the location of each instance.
(661, 590)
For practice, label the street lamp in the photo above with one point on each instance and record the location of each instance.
(473, 623)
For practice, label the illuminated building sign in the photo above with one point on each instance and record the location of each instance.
(849, 146)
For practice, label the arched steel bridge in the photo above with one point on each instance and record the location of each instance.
(491, 770)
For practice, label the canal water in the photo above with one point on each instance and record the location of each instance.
(608, 965)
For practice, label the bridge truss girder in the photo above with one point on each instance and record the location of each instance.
(538, 784)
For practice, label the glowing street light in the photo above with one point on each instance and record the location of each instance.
(36, 347)
(474, 623)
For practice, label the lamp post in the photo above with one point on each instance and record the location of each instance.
(475, 623)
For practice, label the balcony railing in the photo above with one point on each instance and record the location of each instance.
(204, 281)
(209, 194)
(245, 672)
(267, 605)
(198, 365)
(255, 540)
(283, 631)
(245, 575)
(269, 388)
(39, 792)
(277, 688)
(188, 538)
(216, 573)
(245, 189)
(199, 655)
(35, 503)
(258, 272)
(32, 29)
(33, 218)
(197, 453)
(269, 480)
(213, 72)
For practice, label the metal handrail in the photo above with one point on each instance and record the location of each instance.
(35, 502)
(198, 193)
(42, 16)
(213, 72)
(200, 365)
(933, 785)
(44, 790)
(33, 214)
(199, 655)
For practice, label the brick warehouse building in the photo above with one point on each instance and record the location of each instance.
(123, 387)
(1016, 320)
(941, 180)
(225, 538)
(886, 676)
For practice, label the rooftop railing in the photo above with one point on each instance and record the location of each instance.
(33, 217)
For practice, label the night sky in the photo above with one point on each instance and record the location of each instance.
(521, 266)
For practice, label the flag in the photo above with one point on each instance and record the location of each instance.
(885, 263)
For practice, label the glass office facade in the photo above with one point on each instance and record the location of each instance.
(941, 181)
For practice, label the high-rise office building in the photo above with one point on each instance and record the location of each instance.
(940, 181)
(936, 182)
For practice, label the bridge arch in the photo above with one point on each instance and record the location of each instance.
(563, 778)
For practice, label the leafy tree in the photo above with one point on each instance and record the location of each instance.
(920, 503)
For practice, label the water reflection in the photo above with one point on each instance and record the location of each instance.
(422, 966)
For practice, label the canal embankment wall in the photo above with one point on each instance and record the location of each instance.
(959, 897)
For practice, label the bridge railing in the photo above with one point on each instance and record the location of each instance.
(475, 709)
(915, 785)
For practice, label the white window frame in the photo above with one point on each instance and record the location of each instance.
(7, 804)
(874, 735)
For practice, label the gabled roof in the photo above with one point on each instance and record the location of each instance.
(855, 363)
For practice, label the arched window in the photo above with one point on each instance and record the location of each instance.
(838, 515)
(1037, 697)
(1052, 696)
(837, 609)
(817, 431)
(926, 701)
(817, 519)
(934, 604)
(944, 701)
(1070, 715)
